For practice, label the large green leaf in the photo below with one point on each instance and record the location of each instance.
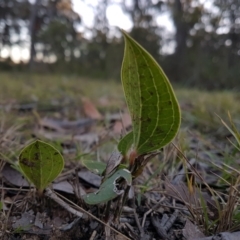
(40, 163)
(150, 98)
(109, 188)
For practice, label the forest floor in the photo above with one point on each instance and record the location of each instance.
(189, 191)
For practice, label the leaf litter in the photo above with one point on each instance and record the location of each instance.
(170, 197)
(165, 201)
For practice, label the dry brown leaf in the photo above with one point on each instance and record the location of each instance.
(90, 178)
(51, 124)
(90, 110)
(14, 177)
(66, 187)
(65, 126)
(122, 124)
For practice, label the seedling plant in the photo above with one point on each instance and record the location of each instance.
(155, 115)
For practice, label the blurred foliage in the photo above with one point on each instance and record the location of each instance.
(203, 51)
(12, 15)
(57, 39)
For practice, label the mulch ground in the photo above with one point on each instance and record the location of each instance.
(171, 199)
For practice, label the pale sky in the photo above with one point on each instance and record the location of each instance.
(115, 15)
(116, 18)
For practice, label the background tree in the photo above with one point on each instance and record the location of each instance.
(13, 16)
(145, 29)
(205, 46)
(54, 31)
(204, 55)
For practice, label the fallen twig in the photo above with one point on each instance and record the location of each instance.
(49, 193)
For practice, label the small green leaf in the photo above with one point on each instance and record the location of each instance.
(94, 166)
(41, 163)
(109, 188)
(150, 98)
(1, 206)
(125, 143)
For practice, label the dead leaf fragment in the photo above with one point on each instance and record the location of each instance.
(25, 222)
(90, 178)
(191, 231)
(122, 124)
(65, 126)
(113, 162)
(14, 177)
(90, 110)
(222, 236)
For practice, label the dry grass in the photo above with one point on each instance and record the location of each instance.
(202, 139)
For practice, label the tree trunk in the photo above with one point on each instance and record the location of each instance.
(181, 29)
(32, 31)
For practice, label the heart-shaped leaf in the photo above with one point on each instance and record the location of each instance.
(40, 163)
(150, 98)
(109, 188)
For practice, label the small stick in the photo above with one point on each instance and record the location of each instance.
(49, 193)
(121, 201)
(171, 220)
(107, 211)
(150, 210)
(145, 215)
(160, 230)
(93, 235)
(138, 224)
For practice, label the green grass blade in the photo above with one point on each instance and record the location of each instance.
(233, 130)
(150, 98)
